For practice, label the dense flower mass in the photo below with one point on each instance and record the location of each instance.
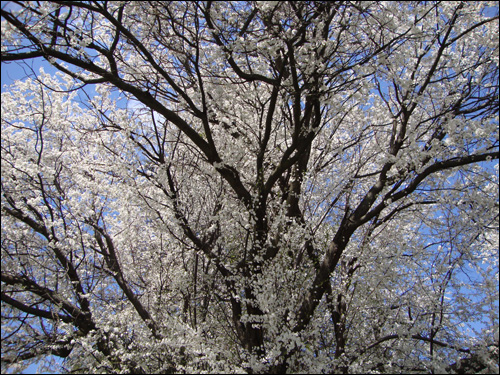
(250, 187)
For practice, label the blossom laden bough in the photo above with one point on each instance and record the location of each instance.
(255, 187)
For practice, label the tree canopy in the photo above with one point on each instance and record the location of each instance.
(251, 187)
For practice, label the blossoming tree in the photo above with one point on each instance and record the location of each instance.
(253, 187)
